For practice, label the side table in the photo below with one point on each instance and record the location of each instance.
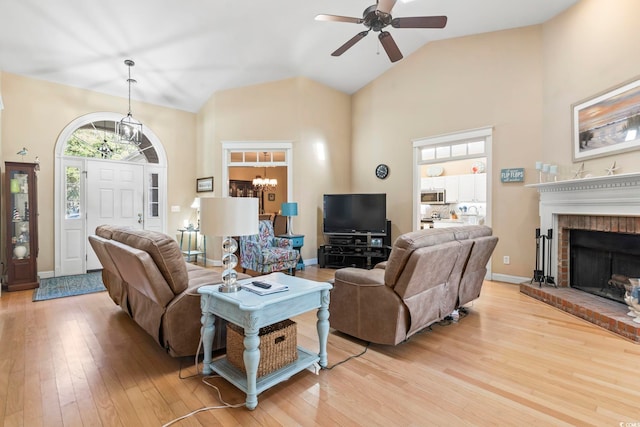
(193, 252)
(252, 312)
(297, 241)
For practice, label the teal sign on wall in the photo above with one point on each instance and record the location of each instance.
(512, 175)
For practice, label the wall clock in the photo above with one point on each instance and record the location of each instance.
(382, 171)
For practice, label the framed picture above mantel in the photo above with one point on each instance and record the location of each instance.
(607, 123)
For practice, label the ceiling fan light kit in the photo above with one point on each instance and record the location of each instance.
(376, 18)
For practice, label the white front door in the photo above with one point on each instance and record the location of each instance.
(115, 196)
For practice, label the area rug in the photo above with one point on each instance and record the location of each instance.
(68, 286)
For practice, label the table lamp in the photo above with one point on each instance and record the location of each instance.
(196, 205)
(289, 210)
(227, 217)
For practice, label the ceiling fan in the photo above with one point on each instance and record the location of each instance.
(376, 18)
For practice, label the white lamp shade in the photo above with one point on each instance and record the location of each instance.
(228, 216)
(196, 203)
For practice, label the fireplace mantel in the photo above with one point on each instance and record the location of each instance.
(612, 195)
(629, 180)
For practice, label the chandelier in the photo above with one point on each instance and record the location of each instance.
(129, 130)
(264, 184)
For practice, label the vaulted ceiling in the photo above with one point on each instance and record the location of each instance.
(185, 51)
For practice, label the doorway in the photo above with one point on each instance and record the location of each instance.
(244, 161)
(99, 180)
(458, 166)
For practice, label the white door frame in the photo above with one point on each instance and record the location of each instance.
(257, 146)
(59, 180)
(485, 133)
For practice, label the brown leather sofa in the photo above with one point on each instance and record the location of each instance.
(428, 275)
(146, 275)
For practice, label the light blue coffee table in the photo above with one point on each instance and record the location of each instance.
(252, 312)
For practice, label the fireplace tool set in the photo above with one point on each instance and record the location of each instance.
(542, 274)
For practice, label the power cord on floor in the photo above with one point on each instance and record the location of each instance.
(366, 347)
(237, 405)
(189, 376)
(204, 380)
(207, 408)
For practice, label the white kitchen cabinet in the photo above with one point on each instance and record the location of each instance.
(472, 188)
(451, 184)
(432, 182)
(466, 188)
(480, 186)
(425, 183)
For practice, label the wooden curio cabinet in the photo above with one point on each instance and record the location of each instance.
(21, 217)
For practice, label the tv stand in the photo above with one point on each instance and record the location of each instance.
(361, 250)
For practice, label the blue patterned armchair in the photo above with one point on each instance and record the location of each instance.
(265, 253)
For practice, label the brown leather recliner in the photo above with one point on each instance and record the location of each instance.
(429, 274)
(146, 274)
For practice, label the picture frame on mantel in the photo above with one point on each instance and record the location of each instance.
(607, 123)
(204, 185)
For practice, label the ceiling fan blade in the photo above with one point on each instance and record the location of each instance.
(385, 6)
(390, 46)
(338, 18)
(355, 39)
(420, 22)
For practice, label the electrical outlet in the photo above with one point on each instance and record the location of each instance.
(506, 259)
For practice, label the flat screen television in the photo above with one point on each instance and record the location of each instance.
(355, 213)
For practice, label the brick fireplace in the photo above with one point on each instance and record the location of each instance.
(606, 224)
(608, 204)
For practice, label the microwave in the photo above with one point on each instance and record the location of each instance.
(435, 196)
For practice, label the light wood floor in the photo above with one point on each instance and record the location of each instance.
(512, 360)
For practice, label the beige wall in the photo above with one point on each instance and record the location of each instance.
(37, 111)
(521, 82)
(316, 119)
(588, 49)
(450, 86)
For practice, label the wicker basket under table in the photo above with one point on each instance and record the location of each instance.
(278, 346)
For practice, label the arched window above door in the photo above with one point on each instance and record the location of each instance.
(97, 139)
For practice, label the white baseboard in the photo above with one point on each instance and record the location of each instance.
(509, 279)
(214, 262)
(46, 274)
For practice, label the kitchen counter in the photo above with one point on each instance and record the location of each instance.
(444, 223)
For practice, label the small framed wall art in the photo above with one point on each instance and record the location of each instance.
(204, 184)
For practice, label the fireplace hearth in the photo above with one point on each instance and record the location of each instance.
(596, 222)
(602, 312)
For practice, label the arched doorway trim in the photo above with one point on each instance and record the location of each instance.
(158, 170)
